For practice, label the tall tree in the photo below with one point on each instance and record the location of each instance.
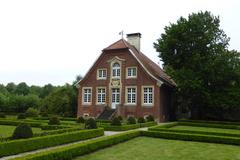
(22, 89)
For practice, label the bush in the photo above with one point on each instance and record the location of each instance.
(141, 120)
(80, 120)
(53, 127)
(120, 118)
(150, 118)
(44, 114)
(32, 112)
(17, 122)
(90, 124)
(22, 131)
(54, 121)
(120, 128)
(21, 116)
(2, 115)
(148, 124)
(116, 122)
(131, 120)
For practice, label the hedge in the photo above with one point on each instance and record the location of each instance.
(147, 124)
(120, 128)
(69, 152)
(15, 123)
(59, 131)
(213, 122)
(61, 118)
(53, 127)
(192, 137)
(24, 145)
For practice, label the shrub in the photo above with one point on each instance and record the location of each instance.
(54, 121)
(90, 124)
(44, 114)
(120, 128)
(2, 115)
(116, 122)
(120, 118)
(21, 116)
(53, 127)
(80, 120)
(150, 118)
(131, 120)
(22, 131)
(141, 120)
(32, 112)
(148, 124)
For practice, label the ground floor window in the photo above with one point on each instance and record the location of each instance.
(148, 95)
(115, 95)
(87, 95)
(101, 95)
(131, 95)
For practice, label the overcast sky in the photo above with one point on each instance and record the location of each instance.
(52, 41)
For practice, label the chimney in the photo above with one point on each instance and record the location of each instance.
(134, 39)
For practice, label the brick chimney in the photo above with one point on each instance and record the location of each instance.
(134, 39)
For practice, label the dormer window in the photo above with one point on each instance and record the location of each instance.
(101, 74)
(116, 70)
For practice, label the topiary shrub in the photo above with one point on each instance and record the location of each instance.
(80, 120)
(2, 115)
(131, 120)
(22, 131)
(116, 122)
(120, 118)
(90, 124)
(54, 121)
(21, 116)
(141, 120)
(150, 118)
(32, 112)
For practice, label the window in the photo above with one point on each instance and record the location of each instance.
(101, 74)
(87, 95)
(148, 95)
(115, 95)
(101, 95)
(131, 95)
(131, 72)
(116, 70)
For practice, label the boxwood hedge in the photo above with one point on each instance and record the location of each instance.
(120, 128)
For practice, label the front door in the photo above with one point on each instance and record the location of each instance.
(115, 97)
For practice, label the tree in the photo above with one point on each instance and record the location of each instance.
(22, 89)
(195, 54)
(11, 87)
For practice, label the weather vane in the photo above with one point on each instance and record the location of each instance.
(121, 33)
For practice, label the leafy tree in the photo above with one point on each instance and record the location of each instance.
(11, 87)
(195, 54)
(3, 102)
(46, 90)
(22, 89)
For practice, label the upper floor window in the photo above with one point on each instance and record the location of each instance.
(116, 70)
(148, 95)
(101, 74)
(87, 95)
(131, 72)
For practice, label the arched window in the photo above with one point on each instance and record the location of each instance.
(116, 70)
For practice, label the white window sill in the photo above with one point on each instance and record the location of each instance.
(130, 104)
(147, 105)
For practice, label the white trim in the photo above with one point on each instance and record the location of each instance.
(129, 77)
(86, 103)
(142, 96)
(126, 96)
(101, 103)
(101, 78)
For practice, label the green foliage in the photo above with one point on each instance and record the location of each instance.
(21, 116)
(53, 127)
(13, 147)
(120, 128)
(2, 115)
(32, 112)
(141, 120)
(54, 120)
(22, 89)
(17, 122)
(90, 123)
(148, 124)
(80, 120)
(22, 131)
(116, 122)
(120, 118)
(150, 118)
(131, 120)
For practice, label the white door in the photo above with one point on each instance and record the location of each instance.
(115, 97)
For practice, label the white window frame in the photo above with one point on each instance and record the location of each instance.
(116, 70)
(132, 76)
(101, 77)
(147, 104)
(83, 96)
(126, 95)
(97, 93)
(116, 93)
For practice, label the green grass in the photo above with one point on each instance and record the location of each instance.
(7, 131)
(179, 127)
(144, 148)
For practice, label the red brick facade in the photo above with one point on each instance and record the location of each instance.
(121, 53)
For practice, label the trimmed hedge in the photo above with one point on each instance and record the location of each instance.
(59, 131)
(192, 137)
(69, 152)
(24, 145)
(15, 123)
(120, 128)
(53, 127)
(165, 126)
(213, 122)
(148, 124)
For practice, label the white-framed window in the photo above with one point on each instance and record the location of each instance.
(131, 72)
(147, 95)
(87, 95)
(101, 95)
(131, 95)
(102, 74)
(116, 69)
(116, 95)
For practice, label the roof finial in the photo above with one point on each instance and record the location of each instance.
(121, 33)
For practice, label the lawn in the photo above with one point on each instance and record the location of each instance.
(7, 131)
(144, 148)
(207, 129)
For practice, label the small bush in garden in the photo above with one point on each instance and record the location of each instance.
(80, 120)
(120, 118)
(32, 112)
(44, 114)
(150, 118)
(22, 131)
(2, 115)
(21, 116)
(131, 120)
(54, 121)
(116, 122)
(141, 120)
(90, 124)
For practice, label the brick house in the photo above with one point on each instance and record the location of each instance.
(126, 81)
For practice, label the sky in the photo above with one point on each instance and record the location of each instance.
(52, 41)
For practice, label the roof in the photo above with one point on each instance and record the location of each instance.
(151, 67)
